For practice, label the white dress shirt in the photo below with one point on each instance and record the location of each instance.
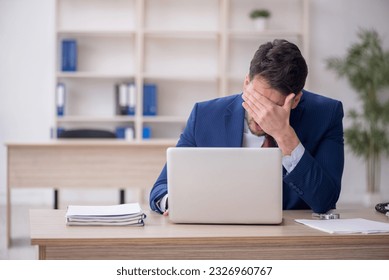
(289, 162)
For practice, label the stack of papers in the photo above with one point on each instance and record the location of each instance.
(347, 226)
(114, 215)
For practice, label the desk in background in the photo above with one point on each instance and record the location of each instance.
(160, 239)
(83, 164)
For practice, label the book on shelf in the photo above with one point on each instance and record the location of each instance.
(146, 132)
(69, 55)
(129, 214)
(60, 96)
(131, 99)
(125, 99)
(129, 134)
(121, 99)
(149, 100)
(125, 132)
(55, 132)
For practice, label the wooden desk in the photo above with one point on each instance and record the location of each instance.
(83, 164)
(160, 239)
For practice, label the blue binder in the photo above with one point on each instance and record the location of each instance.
(149, 100)
(69, 55)
(146, 132)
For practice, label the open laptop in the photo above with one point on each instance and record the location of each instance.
(225, 185)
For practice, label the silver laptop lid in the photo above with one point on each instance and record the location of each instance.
(225, 185)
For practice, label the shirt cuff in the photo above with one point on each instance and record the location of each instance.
(290, 162)
(161, 204)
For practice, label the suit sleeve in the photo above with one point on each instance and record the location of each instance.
(187, 139)
(317, 177)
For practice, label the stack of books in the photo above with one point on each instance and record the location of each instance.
(129, 214)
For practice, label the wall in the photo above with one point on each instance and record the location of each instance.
(26, 77)
(334, 27)
(27, 65)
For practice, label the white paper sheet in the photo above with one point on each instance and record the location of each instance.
(110, 210)
(347, 226)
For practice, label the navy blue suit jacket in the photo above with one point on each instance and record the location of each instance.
(314, 183)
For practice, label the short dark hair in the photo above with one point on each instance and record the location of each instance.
(281, 64)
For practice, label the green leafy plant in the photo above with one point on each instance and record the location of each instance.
(366, 67)
(260, 13)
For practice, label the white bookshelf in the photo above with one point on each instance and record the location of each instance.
(193, 50)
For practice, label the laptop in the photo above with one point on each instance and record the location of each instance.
(225, 185)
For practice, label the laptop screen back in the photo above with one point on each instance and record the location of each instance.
(225, 185)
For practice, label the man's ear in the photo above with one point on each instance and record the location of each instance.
(297, 99)
(246, 80)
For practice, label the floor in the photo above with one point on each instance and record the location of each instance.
(20, 248)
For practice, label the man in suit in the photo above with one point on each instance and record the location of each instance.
(274, 109)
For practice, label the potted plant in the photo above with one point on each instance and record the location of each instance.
(366, 66)
(260, 17)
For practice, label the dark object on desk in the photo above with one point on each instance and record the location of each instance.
(326, 216)
(382, 207)
(86, 133)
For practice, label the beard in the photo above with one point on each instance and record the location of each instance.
(254, 127)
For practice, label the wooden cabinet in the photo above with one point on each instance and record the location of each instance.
(192, 50)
